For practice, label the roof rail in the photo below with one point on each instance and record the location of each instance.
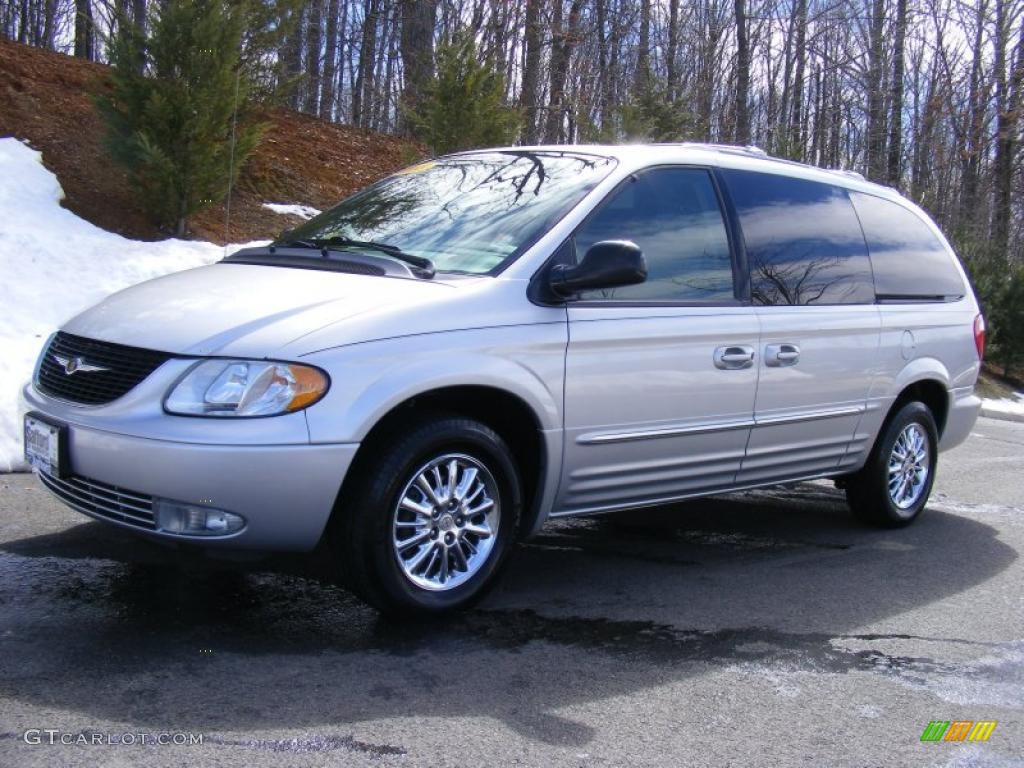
(735, 149)
(751, 150)
(844, 172)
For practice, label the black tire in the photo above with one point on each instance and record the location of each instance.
(867, 491)
(361, 540)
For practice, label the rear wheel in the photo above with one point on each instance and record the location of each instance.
(429, 528)
(893, 487)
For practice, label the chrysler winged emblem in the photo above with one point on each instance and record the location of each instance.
(75, 364)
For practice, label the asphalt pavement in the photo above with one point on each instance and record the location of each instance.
(758, 629)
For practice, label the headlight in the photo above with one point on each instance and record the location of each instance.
(246, 388)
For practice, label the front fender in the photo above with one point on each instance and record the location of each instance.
(368, 380)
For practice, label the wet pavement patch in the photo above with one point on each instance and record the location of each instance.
(730, 583)
(221, 612)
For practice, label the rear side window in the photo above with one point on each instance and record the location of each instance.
(804, 242)
(910, 262)
(673, 215)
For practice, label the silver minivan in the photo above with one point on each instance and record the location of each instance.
(413, 380)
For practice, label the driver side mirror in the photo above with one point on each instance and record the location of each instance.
(607, 264)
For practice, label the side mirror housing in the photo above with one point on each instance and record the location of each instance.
(607, 264)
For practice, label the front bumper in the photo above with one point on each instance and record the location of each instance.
(284, 491)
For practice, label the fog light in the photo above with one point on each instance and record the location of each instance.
(192, 520)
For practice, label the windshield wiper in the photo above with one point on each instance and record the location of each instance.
(424, 265)
(294, 244)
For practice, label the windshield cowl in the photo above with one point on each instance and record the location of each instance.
(328, 259)
(422, 267)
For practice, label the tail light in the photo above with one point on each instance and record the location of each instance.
(979, 335)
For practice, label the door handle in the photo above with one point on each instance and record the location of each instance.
(779, 355)
(734, 358)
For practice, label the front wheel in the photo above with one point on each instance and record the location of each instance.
(893, 487)
(431, 525)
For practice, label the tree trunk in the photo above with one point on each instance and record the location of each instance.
(511, 26)
(291, 60)
(611, 94)
(531, 71)
(344, 50)
(604, 93)
(417, 43)
(49, 23)
(84, 33)
(23, 23)
(561, 52)
(389, 53)
(139, 16)
(966, 218)
(330, 74)
(875, 149)
(932, 105)
(642, 80)
(671, 65)
(364, 72)
(314, 45)
(895, 163)
(795, 140)
(741, 133)
(818, 128)
(710, 35)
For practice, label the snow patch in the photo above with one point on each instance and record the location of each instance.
(304, 211)
(55, 265)
(1007, 405)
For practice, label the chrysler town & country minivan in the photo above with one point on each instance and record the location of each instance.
(420, 376)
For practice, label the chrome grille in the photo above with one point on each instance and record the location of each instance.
(122, 368)
(103, 500)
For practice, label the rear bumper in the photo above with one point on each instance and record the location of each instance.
(964, 407)
(284, 491)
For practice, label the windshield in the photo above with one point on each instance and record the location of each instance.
(467, 213)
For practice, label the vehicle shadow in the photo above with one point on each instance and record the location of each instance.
(95, 622)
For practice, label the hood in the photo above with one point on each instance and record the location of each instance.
(254, 310)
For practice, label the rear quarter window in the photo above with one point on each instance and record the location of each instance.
(909, 261)
(803, 240)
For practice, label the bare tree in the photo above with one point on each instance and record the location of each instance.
(564, 38)
(894, 165)
(362, 93)
(742, 116)
(85, 32)
(418, 18)
(875, 145)
(328, 83)
(1008, 101)
(531, 70)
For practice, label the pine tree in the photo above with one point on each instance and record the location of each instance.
(653, 116)
(463, 107)
(170, 120)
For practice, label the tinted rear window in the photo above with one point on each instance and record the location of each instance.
(803, 240)
(908, 259)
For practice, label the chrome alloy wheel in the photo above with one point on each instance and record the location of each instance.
(446, 521)
(908, 466)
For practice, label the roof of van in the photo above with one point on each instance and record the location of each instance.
(721, 155)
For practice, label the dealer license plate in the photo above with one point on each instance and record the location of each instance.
(43, 446)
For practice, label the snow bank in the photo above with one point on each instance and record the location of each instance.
(305, 211)
(1011, 407)
(54, 265)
